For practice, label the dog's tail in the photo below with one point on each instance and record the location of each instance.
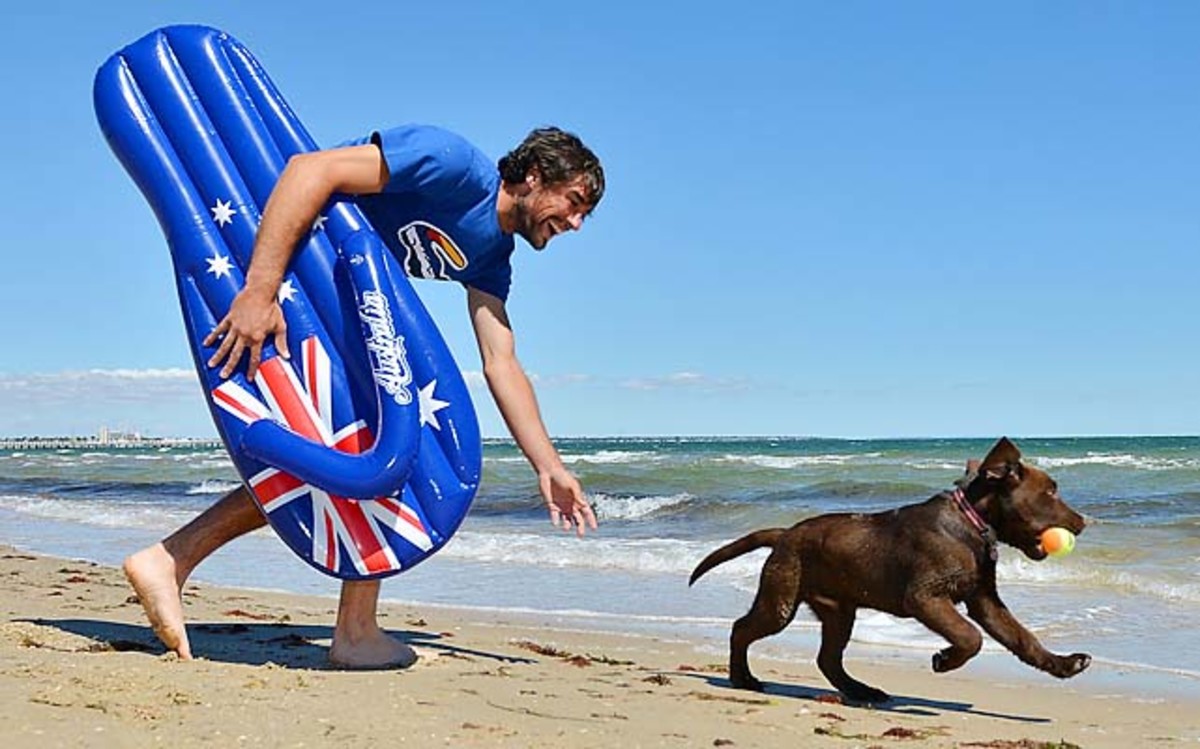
(743, 545)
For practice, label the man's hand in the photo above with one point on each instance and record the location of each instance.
(252, 317)
(564, 497)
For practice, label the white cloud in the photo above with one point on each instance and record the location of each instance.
(680, 381)
(169, 402)
(124, 385)
(565, 380)
(154, 401)
(475, 380)
(685, 381)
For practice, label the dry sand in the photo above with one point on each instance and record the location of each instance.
(79, 667)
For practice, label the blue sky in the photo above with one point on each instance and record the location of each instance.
(835, 219)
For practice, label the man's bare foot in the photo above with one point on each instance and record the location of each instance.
(370, 650)
(152, 573)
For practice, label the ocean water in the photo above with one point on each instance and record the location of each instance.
(1129, 594)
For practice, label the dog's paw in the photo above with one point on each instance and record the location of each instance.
(942, 662)
(746, 681)
(866, 694)
(1067, 666)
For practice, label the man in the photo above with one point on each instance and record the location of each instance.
(403, 179)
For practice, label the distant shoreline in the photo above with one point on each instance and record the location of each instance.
(92, 442)
(125, 441)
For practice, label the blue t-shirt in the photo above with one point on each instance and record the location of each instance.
(437, 213)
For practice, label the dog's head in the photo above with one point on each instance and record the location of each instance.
(1019, 501)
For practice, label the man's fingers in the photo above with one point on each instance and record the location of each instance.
(217, 332)
(255, 360)
(590, 515)
(235, 356)
(281, 341)
(222, 350)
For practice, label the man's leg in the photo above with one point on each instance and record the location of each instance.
(358, 642)
(158, 572)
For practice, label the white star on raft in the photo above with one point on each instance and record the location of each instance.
(319, 224)
(222, 212)
(219, 265)
(430, 405)
(287, 292)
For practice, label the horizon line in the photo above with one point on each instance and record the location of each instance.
(668, 436)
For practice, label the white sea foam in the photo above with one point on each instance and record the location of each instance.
(102, 513)
(786, 462)
(213, 486)
(602, 457)
(1021, 570)
(657, 555)
(1119, 460)
(932, 464)
(631, 508)
(206, 455)
(878, 628)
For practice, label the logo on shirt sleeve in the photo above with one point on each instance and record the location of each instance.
(429, 252)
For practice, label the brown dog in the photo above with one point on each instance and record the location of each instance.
(916, 562)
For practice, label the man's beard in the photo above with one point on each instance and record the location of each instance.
(526, 226)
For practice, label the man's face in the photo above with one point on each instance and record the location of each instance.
(549, 210)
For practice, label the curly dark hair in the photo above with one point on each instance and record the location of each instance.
(559, 157)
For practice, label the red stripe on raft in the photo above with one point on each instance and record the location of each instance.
(231, 402)
(363, 536)
(275, 487)
(355, 442)
(330, 543)
(402, 512)
(310, 369)
(291, 403)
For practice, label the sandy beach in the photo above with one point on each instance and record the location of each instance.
(79, 667)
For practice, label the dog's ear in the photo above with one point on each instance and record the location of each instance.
(969, 475)
(1002, 453)
(1002, 461)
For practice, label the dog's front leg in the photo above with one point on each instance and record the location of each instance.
(940, 616)
(999, 622)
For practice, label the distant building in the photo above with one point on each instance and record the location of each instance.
(106, 436)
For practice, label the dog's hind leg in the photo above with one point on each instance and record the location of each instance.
(940, 615)
(773, 609)
(837, 621)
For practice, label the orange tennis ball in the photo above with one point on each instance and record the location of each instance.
(1058, 542)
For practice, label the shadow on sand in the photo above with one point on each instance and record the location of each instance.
(252, 644)
(899, 704)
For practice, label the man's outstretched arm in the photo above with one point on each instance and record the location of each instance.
(307, 183)
(515, 398)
